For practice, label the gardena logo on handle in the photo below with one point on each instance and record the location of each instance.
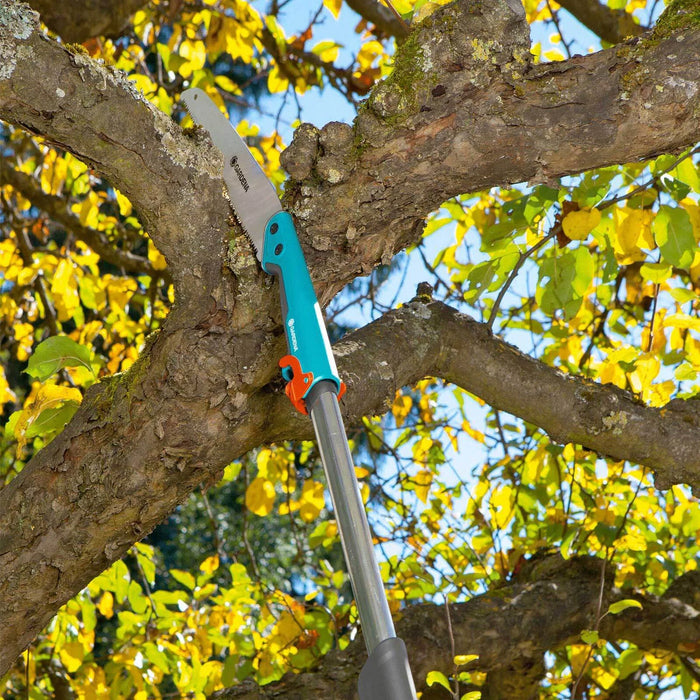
(292, 334)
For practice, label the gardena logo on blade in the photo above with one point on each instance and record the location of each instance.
(293, 335)
(239, 173)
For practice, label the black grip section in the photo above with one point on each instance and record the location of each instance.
(276, 270)
(386, 675)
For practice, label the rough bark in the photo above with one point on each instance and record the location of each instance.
(205, 390)
(510, 628)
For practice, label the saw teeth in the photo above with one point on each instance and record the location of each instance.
(250, 240)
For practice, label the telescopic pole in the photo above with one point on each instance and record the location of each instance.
(386, 675)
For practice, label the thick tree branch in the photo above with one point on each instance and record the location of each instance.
(380, 16)
(94, 112)
(57, 208)
(610, 25)
(510, 628)
(436, 340)
(462, 111)
(79, 20)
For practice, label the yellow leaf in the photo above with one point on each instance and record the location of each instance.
(312, 500)
(333, 6)
(72, 655)
(225, 83)
(48, 396)
(106, 604)
(464, 659)
(554, 55)
(276, 82)
(694, 213)
(210, 564)
(423, 480)
(119, 291)
(578, 224)
(501, 506)
(6, 394)
(195, 52)
(260, 496)
(123, 202)
(633, 228)
(401, 408)
(156, 257)
(473, 433)
(64, 288)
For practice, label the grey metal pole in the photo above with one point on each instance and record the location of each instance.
(367, 585)
(386, 675)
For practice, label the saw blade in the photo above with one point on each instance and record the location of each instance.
(252, 195)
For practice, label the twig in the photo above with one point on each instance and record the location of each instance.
(398, 16)
(645, 185)
(523, 257)
(653, 317)
(455, 694)
(599, 617)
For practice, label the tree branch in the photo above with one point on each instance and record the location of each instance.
(79, 20)
(462, 112)
(57, 208)
(510, 628)
(380, 16)
(610, 25)
(94, 112)
(436, 340)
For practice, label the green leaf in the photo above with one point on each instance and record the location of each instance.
(589, 636)
(55, 353)
(674, 235)
(120, 579)
(616, 608)
(183, 577)
(630, 660)
(228, 673)
(434, 677)
(687, 172)
(144, 556)
(569, 275)
(52, 419)
(136, 598)
(156, 656)
(656, 272)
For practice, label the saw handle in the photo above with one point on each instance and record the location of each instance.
(310, 358)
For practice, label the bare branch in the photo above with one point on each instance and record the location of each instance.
(610, 25)
(379, 15)
(79, 20)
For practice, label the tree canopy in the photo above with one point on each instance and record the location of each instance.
(504, 233)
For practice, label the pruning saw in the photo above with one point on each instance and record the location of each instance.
(314, 388)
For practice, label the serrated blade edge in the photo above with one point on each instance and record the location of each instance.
(252, 195)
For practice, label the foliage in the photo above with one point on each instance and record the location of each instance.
(596, 275)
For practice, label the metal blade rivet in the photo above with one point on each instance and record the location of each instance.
(278, 249)
(274, 228)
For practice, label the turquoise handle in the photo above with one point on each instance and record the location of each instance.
(307, 338)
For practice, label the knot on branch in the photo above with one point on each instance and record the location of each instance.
(322, 153)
